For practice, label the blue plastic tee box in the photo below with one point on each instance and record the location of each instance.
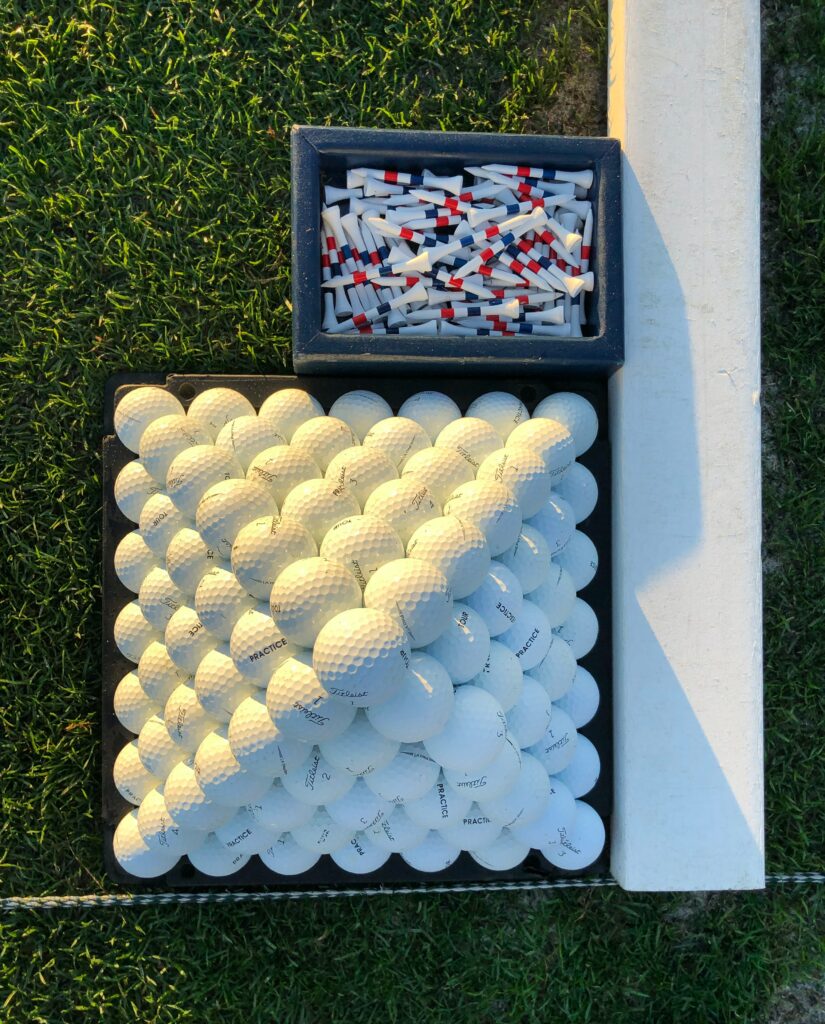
(321, 156)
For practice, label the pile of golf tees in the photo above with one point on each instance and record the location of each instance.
(354, 634)
(500, 250)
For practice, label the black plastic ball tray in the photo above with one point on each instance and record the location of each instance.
(326, 874)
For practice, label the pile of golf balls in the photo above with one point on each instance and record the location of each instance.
(355, 632)
(499, 250)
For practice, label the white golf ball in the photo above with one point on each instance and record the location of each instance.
(259, 746)
(360, 470)
(456, 548)
(549, 439)
(430, 410)
(248, 436)
(475, 831)
(396, 833)
(475, 732)
(318, 505)
(493, 780)
(440, 469)
(215, 860)
(317, 782)
(501, 410)
(281, 469)
(433, 854)
(157, 750)
(405, 504)
(307, 594)
(187, 802)
(420, 706)
(279, 811)
(582, 773)
(359, 808)
(300, 707)
(158, 674)
(528, 558)
(581, 701)
(219, 685)
(227, 507)
(264, 548)
(492, 508)
(580, 490)
(138, 408)
(410, 774)
(529, 717)
(160, 831)
(525, 801)
(360, 410)
(257, 646)
(398, 437)
(581, 844)
(134, 854)
(133, 560)
(133, 488)
(165, 438)
(289, 408)
(523, 471)
(556, 747)
(132, 705)
(555, 521)
(360, 856)
(503, 854)
(575, 413)
(464, 646)
(580, 558)
(220, 601)
(360, 749)
(133, 632)
(221, 776)
(558, 814)
(160, 519)
(214, 408)
(187, 720)
(498, 599)
(243, 833)
(556, 670)
(286, 857)
(159, 598)
(322, 438)
(530, 638)
(501, 676)
(473, 439)
(556, 595)
(131, 777)
(188, 640)
(580, 629)
(189, 558)
(439, 806)
(195, 470)
(362, 544)
(416, 594)
(361, 656)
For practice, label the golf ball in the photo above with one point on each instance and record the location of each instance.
(281, 469)
(214, 408)
(195, 470)
(247, 436)
(420, 706)
(440, 469)
(227, 507)
(405, 504)
(501, 410)
(398, 437)
(133, 488)
(473, 734)
(289, 408)
(498, 600)
(575, 413)
(133, 560)
(456, 548)
(492, 508)
(318, 505)
(138, 408)
(464, 646)
(300, 707)
(431, 410)
(360, 410)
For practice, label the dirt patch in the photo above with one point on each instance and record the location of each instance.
(799, 1004)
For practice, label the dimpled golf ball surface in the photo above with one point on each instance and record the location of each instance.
(581, 701)
(133, 706)
(556, 747)
(360, 856)
(410, 774)
(580, 558)
(279, 811)
(189, 558)
(214, 408)
(281, 469)
(158, 674)
(580, 490)
(416, 594)
(195, 470)
(405, 504)
(188, 640)
(550, 440)
(286, 857)
(523, 471)
(362, 544)
(464, 645)
(493, 509)
(165, 438)
(187, 720)
(221, 776)
(360, 470)
(420, 706)
(220, 601)
(132, 778)
(440, 469)
(361, 749)
(498, 599)
(159, 598)
(397, 832)
(529, 637)
(575, 413)
(160, 519)
(556, 522)
(264, 548)
(501, 410)
(318, 782)
(580, 629)
(289, 408)
(247, 436)
(215, 860)
(227, 507)
(557, 668)
(525, 801)
(475, 831)
(455, 547)
(529, 717)
(439, 806)
(322, 438)
(504, 853)
(360, 410)
(133, 488)
(474, 733)
(358, 808)
(431, 410)
(219, 685)
(501, 676)
(528, 558)
(300, 707)
(307, 594)
(433, 854)
(361, 656)
(133, 560)
(579, 845)
(318, 505)
(556, 595)
(138, 408)
(257, 646)
(582, 773)
(188, 804)
(258, 745)
(495, 779)
(558, 814)
(473, 439)
(133, 632)
(134, 854)
(399, 439)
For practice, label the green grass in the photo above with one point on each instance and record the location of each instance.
(144, 225)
